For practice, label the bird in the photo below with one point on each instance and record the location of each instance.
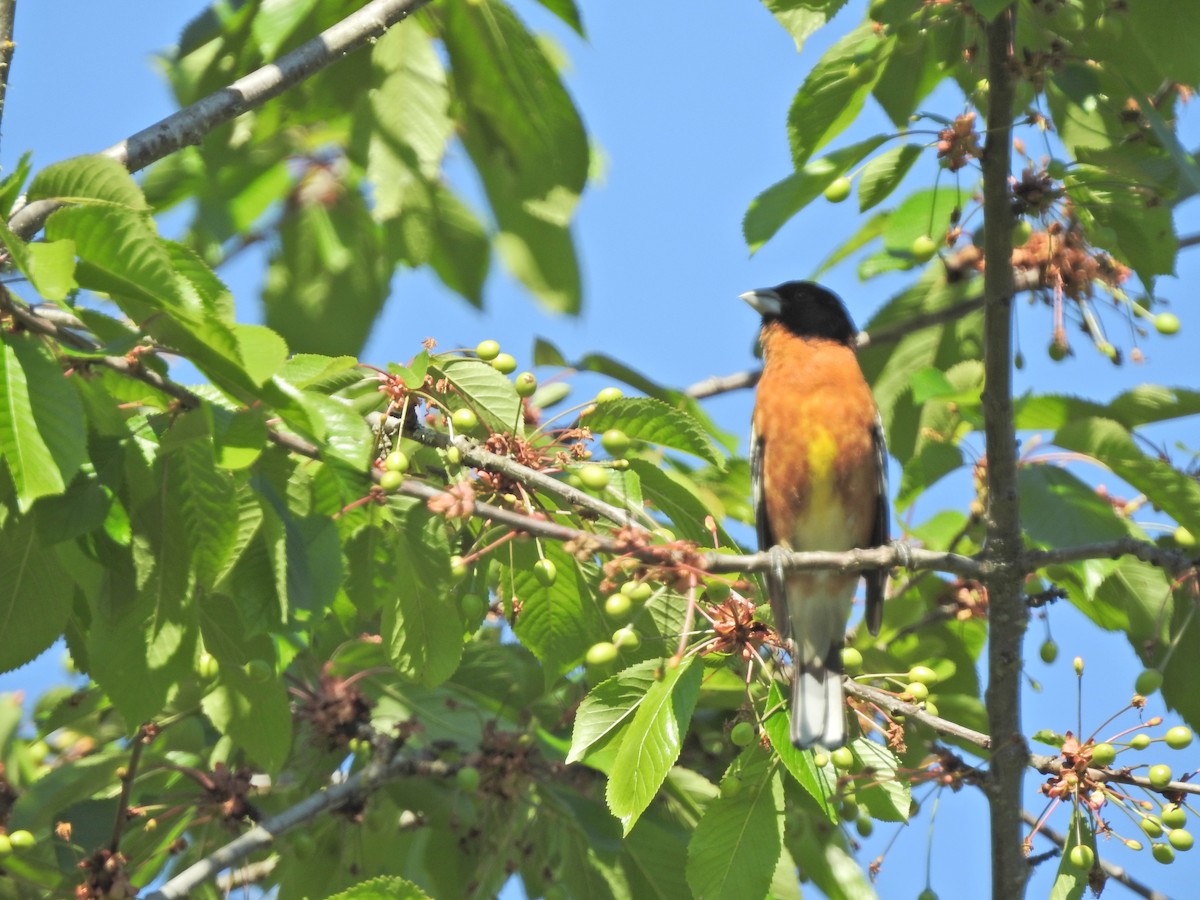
(819, 476)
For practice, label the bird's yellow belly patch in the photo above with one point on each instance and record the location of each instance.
(827, 524)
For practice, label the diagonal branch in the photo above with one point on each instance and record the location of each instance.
(193, 123)
(8, 14)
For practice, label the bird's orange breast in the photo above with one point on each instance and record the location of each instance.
(814, 415)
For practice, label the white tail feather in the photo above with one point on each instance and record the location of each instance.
(818, 713)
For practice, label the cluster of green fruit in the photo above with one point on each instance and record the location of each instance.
(15, 842)
(916, 682)
(620, 606)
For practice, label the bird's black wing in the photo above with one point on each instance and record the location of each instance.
(877, 578)
(776, 586)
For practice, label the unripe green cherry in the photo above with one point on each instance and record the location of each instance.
(1149, 681)
(1021, 233)
(259, 670)
(820, 760)
(525, 384)
(207, 667)
(1163, 853)
(21, 839)
(458, 568)
(626, 638)
(838, 190)
(842, 757)
(487, 350)
(6, 847)
(1152, 825)
(864, 826)
(923, 248)
(505, 363)
(594, 477)
(609, 394)
(1159, 776)
(637, 591)
(742, 734)
(1082, 857)
(615, 442)
(1178, 737)
(731, 786)
(1173, 816)
(464, 419)
(1167, 323)
(396, 461)
(852, 661)
(1103, 754)
(927, 894)
(1058, 351)
(917, 691)
(467, 779)
(923, 674)
(473, 607)
(545, 571)
(601, 654)
(1048, 651)
(717, 591)
(391, 480)
(617, 605)
(1180, 839)
(1056, 168)
(1184, 538)
(1139, 741)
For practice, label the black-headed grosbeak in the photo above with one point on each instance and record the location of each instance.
(818, 469)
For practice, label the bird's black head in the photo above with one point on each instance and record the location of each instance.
(805, 309)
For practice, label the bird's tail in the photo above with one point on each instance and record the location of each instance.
(818, 706)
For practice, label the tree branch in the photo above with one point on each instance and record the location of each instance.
(8, 14)
(263, 835)
(894, 554)
(1169, 560)
(895, 706)
(1007, 611)
(193, 123)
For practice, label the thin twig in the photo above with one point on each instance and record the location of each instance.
(8, 15)
(193, 123)
(263, 835)
(892, 705)
(1113, 871)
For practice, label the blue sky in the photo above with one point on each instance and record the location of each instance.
(687, 103)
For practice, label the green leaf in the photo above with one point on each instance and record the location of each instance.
(35, 593)
(50, 267)
(254, 714)
(774, 207)
(1069, 882)
(42, 426)
(1063, 511)
(884, 173)
(527, 142)
(204, 494)
(921, 213)
(737, 844)
(989, 9)
(10, 186)
(328, 278)
(87, 178)
(653, 421)
(421, 629)
(488, 392)
(833, 93)
(886, 795)
(558, 622)
(1145, 231)
(1114, 446)
(803, 17)
(652, 742)
(610, 704)
(385, 887)
(798, 762)
(678, 500)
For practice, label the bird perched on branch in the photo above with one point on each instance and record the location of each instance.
(818, 468)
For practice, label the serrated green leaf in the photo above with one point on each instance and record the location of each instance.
(886, 795)
(883, 174)
(610, 704)
(86, 178)
(10, 186)
(798, 762)
(527, 142)
(650, 420)
(421, 628)
(1063, 511)
(652, 742)
(42, 426)
(254, 714)
(833, 93)
(486, 391)
(803, 17)
(35, 593)
(738, 842)
(558, 622)
(1114, 446)
(921, 213)
(50, 267)
(774, 207)
(205, 495)
(385, 887)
